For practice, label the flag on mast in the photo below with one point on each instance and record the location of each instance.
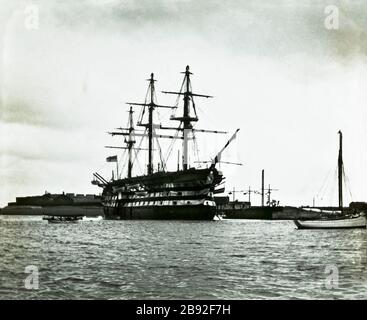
(111, 159)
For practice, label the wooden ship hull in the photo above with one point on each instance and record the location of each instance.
(185, 212)
(182, 195)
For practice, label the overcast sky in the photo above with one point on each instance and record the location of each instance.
(273, 68)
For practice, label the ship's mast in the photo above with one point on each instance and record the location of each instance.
(150, 124)
(262, 187)
(340, 170)
(186, 119)
(151, 105)
(130, 143)
(130, 133)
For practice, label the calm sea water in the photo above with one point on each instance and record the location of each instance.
(229, 259)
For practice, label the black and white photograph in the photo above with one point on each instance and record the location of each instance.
(170, 150)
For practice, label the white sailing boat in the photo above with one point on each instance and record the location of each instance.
(344, 222)
(338, 219)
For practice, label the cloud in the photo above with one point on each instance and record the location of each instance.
(22, 111)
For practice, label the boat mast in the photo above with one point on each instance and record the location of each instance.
(269, 195)
(150, 124)
(186, 120)
(340, 170)
(262, 188)
(130, 143)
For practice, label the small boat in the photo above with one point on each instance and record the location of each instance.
(337, 219)
(218, 217)
(98, 218)
(62, 219)
(344, 222)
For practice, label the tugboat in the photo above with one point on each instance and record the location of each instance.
(184, 194)
(336, 219)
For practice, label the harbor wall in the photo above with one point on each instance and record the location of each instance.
(53, 210)
(292, 213)
(270, 213)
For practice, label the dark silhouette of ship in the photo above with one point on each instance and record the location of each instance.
(188, 192)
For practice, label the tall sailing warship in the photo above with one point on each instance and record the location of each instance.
(184, 194)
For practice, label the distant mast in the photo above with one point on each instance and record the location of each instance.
(130, 143)
(340, 170)
(150, 124)
(262, 188)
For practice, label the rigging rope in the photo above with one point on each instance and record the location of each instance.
(332, 193)
(192, 100)
(323, 188)
(170, 148)
(195, 147)
(347, 184)
(160, 150)
(137, 151)
(178, 99)
(142, 110)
